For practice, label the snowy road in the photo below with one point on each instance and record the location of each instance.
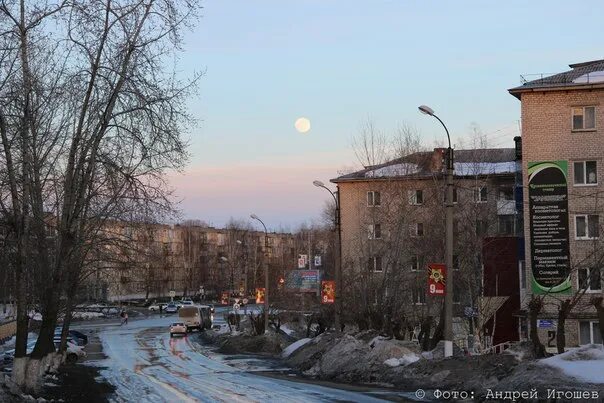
(145, 364)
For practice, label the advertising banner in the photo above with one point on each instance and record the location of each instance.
(260, 295)
(548, 211)
(303, 280)
(437, 274)
(328, 292)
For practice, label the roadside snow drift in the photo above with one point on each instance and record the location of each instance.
(585, 363)
(293, 347)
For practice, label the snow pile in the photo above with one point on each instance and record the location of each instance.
(293, 347)
(404, 360)
(288, 331)
(87, 315)
(585, 363)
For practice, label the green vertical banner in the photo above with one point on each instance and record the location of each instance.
(549, 228)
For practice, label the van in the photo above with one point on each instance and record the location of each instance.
(196, 317)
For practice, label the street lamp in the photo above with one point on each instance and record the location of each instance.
(338, 255)
(242, 257)
(448, 333)
(266, 279)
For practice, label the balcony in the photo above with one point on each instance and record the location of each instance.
(506, 207)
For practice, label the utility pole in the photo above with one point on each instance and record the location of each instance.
(448, 331)
(338, 255)
(266, 276)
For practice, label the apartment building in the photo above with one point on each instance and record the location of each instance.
(150, 260)
(393, 225)
(563, 167)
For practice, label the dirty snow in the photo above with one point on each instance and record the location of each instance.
(293, 347)
(585, 363)
(288, 331)
(404, 360)
(145, 364)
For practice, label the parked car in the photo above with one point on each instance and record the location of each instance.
(157, 306)
(74, 336)
(74, 352)
(9, 355)
(171, 308)
(178, 328)
(186, 302)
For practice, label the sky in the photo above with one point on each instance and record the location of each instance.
(340, 63)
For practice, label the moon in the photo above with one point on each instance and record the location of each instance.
(302, 125)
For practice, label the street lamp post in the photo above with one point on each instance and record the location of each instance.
(338, 255)
(266, 278)
(448, 333)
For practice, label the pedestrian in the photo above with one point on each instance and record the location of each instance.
(124, 318)
(161, 308)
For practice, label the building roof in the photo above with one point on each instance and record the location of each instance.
(583, 75)
(426, 164)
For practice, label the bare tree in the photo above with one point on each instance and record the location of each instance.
(90, 121)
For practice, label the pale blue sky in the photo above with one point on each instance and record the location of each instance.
(340, 62)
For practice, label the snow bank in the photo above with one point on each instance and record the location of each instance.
(293, 347)
(287, 330)
(87, 315)
(585, 363)
(404, 360)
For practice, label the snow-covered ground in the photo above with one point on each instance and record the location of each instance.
(145, 364)
(585, 363)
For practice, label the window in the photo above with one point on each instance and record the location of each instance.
(506, 193)
(417, 229)
(375, 264)
(589, 332)
(375, 231)
(586, 173)
(416, 197)
(480, 194)
(590, 279)
(415, 264)
(454, 195)
(584, 118)
(587, 226)
(373, 198)
(506, 224)
(419, 295)
(481, 227)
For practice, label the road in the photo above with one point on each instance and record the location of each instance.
(145, 364)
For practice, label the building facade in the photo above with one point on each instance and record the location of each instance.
(562, 153)
(392, 226)
(150, 260)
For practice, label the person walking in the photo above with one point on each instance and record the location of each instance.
(124, 318)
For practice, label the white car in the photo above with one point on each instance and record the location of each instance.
(178, 328)
(74, 352)
(156, 307)
(171, 308)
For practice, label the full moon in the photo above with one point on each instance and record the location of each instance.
(302, 125)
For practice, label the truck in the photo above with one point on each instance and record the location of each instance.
(196, 317)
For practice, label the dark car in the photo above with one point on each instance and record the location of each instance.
(73, 336)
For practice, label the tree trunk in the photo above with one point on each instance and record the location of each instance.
(439, 331)
(535, 305)
(560, 333)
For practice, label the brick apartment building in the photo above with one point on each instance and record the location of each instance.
(563, 171)
(153, 259)
(392, 226)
